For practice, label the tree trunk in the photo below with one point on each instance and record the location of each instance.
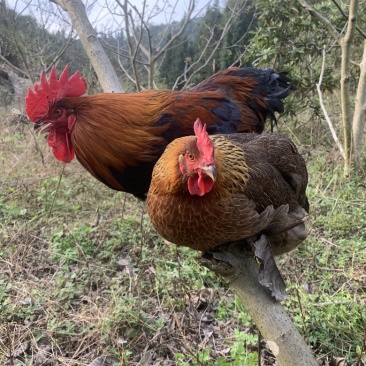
(359, 116)
(238, 266)
(346, 43)
(106, 75)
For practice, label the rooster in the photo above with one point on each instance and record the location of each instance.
(118, 137)
(207, 191)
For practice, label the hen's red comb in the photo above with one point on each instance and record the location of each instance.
(204, 143)
(48, 91)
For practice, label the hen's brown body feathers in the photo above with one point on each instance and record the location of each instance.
(260, 189)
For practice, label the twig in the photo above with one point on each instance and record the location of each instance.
(57, 188)
(332, 29)
(331, 303)
(326, 115)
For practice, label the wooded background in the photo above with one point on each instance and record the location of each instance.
(318, 43)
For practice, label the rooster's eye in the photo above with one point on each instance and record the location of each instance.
(58, 112)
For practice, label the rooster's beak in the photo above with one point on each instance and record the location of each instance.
(210, 170)
(42, 128)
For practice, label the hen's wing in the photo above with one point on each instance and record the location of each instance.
(275, 162)
(275, 175)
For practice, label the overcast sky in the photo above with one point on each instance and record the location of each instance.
(160, 11)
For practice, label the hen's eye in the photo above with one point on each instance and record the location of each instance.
(190, 156)
(58, 112)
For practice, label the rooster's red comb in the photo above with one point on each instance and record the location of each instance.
(204, 143)
(49, 91)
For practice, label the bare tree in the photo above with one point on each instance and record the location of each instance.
(141, 56)
(212, 45)
(101, 63)
(151, 54)
(37, 49)
(144, 51)
(353, 127)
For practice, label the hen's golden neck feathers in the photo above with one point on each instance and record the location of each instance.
(167, 171)
(231, 161)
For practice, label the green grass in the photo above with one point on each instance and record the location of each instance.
(85, 274)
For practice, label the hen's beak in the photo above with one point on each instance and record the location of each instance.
(210, 170)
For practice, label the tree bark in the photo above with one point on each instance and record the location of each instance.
(237, 265)
(102, 65)
(359, 115)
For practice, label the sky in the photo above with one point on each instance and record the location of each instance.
(160, 11)
(99, 11)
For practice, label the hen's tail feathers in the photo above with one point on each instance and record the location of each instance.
(287, 229)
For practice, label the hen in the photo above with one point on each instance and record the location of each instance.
(119, 137)
(207, 191)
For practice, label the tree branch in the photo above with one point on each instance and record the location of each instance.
(237, 265)
(11, 24)
(346, 43)
(321, 19)
(228, 24)
(176, 35)
(24, 73)
(133, 52)
(61, 51)
(152, 55)
(242, 37)
(346, 17)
